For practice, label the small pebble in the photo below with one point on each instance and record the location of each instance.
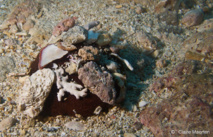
(140, 10)
(137, 125)
(161, 63)
(73, 125)
(92, 37)
(1, 50)
(118, 6)
(28, 25)
(129, 135)
(7, 123)
(104, 39)
(142, 103)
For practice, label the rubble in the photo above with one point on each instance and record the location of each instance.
(89, 53)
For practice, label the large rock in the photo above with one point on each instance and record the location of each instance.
(34, 92)
(193, 18)
(98, 82)
(187, 106)
(201, 42)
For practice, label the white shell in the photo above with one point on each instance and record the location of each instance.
(51, 53)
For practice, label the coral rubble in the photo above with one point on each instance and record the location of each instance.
(83, 70)
(34, 92)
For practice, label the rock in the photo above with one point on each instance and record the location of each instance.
(10, 42)
(147, 42)
(145, 3)
(28, 25)
(92, 37)
(35, 90)
(142, 103)
(72, 68)
(182, 117)
(74, 125)
(112, 66)
(118, 6)
(161, 63)
(170, 17)
(137, 125)
(160, 7)
(201, 43)
(129, 135)
(193, 18)
(13, 29)
(206, 25)
(75, 35)
(7, 123)
(140, 10)
(64, 25)
(197, 56)
(188, 107)
(98, 82)
(65, 46)
(172, 5)
(104, 40)
(7, 65)
(91, 25)
(20, 13)
(89, 53)
(170, 80)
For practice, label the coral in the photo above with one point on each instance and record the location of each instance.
(89, 53)
(64, 25)
(70, 87)
(71, 67)
(35, 90)
(98, 82)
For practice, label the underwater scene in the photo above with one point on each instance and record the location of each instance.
(106, 68)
